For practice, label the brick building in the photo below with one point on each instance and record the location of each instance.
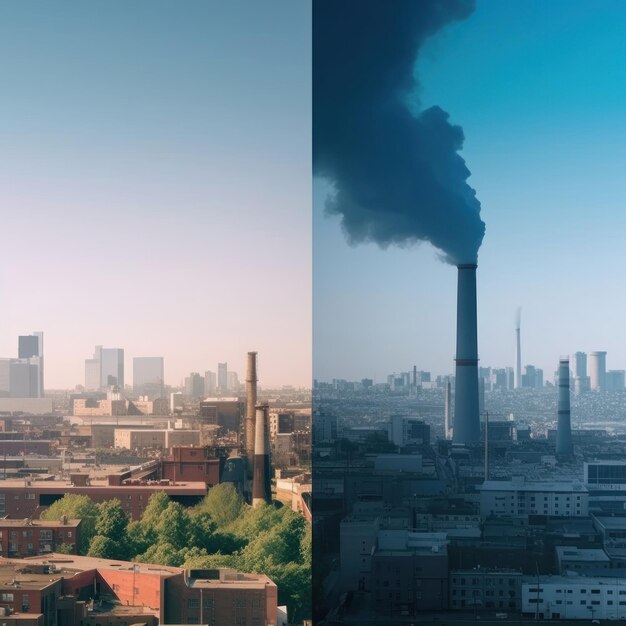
(22, 538)
(191, 464)
(21, 498)
(67, 590)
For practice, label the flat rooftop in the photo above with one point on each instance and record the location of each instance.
(37, 523)
(53, 486)
(542, 485)
(70, 563)
(596, 555)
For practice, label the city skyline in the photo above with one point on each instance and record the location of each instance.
(544, 154)
(158, 186)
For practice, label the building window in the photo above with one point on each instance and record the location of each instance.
(193, 603)
(6, 597)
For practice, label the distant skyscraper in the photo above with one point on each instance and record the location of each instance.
(222, 376)
(615, 380)
(597, 370)
(194, 385)
(105, 369)
(30, 349)
(579, 366)
(233, 381)
(210, 383)
(148, 376)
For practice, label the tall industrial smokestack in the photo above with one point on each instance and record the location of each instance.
(261, 487)
(518, 351)
(564, 427)
(447, 427)
(466, 419)
(251, 381)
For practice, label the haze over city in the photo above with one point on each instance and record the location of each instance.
(540, 99)
(156, 184)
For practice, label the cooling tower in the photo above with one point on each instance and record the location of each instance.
(597, 370)
(466, 420)
(447, 427)
(564, 427)
(251, 381)
(261, 486)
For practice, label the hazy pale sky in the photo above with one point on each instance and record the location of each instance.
(540, 91)
(155, 180)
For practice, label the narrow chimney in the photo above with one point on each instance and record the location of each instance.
(447, 427)
(466, 420)
(261, 486)
(251, 381)
(564, 427)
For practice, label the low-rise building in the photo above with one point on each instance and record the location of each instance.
(518, 497)
(29, 537)
(486, 589)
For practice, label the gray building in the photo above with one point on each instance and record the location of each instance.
(477, 589)
(222, 376)
(148, 378)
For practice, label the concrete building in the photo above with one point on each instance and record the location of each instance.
(30, 349)
(606, 483)
(409, 572)
(138, 439)
(210, 383)
(148, 376)
(615, 380)
(573, 559)
(406, 431)
(574, 597)
(225, 412)
(194, 385)
(486, 589)
(518, 497)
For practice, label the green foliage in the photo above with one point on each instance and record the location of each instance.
(112, 521)
(162, 554)
(306, 546)
(173, 526)
(255, 521)
(65, 548)
(76, 507)
(103, 548)
(223, 503)
(136, 538)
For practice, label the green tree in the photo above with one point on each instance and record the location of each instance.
(202, 527)
(151, 517)
(136, 538)
(103, 548)
(223, 503)
(65, 548)
(163, 554)
(255, 521)
(74, 506)
(294, 589)
(173, 526)
(112, 520)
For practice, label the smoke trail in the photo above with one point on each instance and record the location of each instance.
(397, 175)
(518, 317)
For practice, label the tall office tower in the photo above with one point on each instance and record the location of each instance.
(466, 417)
(30, 347)
(92, 371)
(615, 380)
(112, 367)
(579, 367)
(210, 383)
(194, 385)
(232, 382)
(105, 369)
(148, 376)
(564, 428)
(222, 377)
(597, 370)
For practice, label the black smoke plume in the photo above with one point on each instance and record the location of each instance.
(396, 172)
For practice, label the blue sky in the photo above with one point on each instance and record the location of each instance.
(155, 183)
(539, 89)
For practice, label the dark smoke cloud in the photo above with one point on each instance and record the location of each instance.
(397, 174)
